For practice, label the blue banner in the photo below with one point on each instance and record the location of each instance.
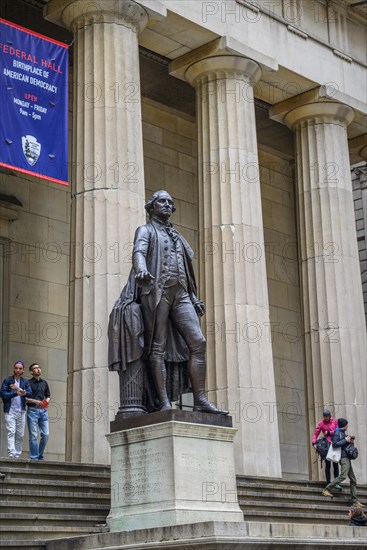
(34, 103)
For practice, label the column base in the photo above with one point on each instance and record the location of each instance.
(125, 413)
(169, 471)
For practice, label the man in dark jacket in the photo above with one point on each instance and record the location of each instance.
(13, 392)
(341, 440)
(163, 281)
(37, 416)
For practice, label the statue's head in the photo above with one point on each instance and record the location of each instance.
(160, 202)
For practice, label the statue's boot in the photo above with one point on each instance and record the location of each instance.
(197, 376)
(159, 375)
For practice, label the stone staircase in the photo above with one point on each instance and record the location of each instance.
(294, 501)
(52, 500)
(44, 500)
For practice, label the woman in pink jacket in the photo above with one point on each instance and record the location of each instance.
(327, 426)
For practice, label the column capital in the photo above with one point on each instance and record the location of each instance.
(76, 14)
(222, 48)
(319, 113)
(324, 104)
(225, 66)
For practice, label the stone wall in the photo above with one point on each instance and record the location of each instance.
(170, 157)
(279, 214)
(359, 181)
(36, 282)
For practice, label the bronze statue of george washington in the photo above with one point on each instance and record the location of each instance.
(155, 321)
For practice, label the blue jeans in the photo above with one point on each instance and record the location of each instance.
(37, 419)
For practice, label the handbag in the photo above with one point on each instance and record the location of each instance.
(322, 447)
(334, 454)
(351, 451)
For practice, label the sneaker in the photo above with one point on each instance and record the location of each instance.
(339, 487)
(326, 493)
(358, 504)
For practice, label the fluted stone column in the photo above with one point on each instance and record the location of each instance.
(107, 203)
(335, 331)
(232, 260)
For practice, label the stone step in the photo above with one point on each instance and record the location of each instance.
(340, 508)
(288, 485)
(40, 495)
(43, 500)
(60, 508)
(293, 490)
(47, 484)
(41, 488)
(24, 464)
(294, 501)
(35, 475)
(276, 516)
(9, 522)
(9, 472)
(47, 500)
(29, 545)
(28, 534)
(339, 498)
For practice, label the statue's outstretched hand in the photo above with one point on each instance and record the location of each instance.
(199, 307)
(144, 277)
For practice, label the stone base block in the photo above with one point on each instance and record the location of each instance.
(222, 536)
(172, 473)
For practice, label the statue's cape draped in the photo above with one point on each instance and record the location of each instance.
(125, 329)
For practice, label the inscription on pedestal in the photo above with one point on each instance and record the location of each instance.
(139, 475)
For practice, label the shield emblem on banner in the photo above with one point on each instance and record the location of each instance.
(31, 149)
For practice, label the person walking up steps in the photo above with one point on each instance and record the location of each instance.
(342, 440)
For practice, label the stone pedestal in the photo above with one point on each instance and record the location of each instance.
(172, 472)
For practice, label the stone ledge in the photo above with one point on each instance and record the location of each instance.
(25, 463)
(223, 46)
(220, 536)
(175, 415)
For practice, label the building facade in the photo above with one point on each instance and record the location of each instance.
(249, 114)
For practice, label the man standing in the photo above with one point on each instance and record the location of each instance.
(13, 392)
(342, 440)
(162, 281)
(327, 426)
(37, 416)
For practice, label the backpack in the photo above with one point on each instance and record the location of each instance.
(322, 447)
(351, 451)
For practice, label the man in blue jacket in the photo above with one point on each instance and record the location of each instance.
(342, 440)
(13, 392)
